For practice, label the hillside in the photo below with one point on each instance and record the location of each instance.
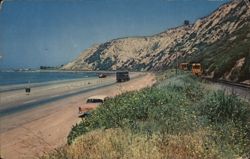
(220, 41)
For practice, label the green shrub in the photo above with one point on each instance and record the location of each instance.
(167, 108)
(176, 109)
(230, 119)
(219, 107)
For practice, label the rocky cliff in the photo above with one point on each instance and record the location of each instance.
(220, 41)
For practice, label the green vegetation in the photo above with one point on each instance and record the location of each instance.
(222, 55)
(177, 118)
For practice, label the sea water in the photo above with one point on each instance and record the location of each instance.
(14, 78)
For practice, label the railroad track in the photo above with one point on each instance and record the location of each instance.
(240, 85)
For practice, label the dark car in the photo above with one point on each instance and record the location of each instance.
(102, 75)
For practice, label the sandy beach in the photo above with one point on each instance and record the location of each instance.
(33, 132)
(9, 98)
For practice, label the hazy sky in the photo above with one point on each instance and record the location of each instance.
(54, 32)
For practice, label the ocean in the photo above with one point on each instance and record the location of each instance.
(13, 78)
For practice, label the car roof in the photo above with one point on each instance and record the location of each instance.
(98, 97)
(196, 64)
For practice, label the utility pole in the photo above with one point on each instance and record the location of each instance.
(176, 70)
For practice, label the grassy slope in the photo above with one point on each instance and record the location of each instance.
(177, 118)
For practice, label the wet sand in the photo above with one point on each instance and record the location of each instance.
(36, 131)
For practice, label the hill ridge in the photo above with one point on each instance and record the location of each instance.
(191, 43)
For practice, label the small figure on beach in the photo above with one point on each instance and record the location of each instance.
(28, 89)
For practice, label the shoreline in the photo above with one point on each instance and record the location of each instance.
(6, 88)
(10, 87)
(15, 97)
(68, 77)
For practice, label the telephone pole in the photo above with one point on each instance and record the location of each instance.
(176, 70)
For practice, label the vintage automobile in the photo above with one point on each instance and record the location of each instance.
(91, 103)
(102, 75)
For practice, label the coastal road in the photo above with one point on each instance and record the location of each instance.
(11, 108)
(16, 100)
(16, 95)
(42, 122)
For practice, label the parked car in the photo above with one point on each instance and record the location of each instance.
(91, 103)
(102, 75)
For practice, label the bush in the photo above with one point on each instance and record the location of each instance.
(165, 108)
(230, 119)
(219, 107)
(175, 119)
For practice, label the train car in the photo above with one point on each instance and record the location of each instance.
(197, 69)
(183, 66)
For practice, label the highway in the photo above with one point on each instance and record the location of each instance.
(11, 109)
(44, 94)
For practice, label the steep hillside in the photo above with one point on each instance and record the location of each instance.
(220, 41)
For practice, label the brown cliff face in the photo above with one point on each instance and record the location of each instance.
(218, 41)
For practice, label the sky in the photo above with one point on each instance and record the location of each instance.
(37, 33)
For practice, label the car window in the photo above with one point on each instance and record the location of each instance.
(94, 101)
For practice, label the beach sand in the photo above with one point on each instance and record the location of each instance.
(31, 133)
(9, 98)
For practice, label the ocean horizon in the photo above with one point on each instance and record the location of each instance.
(26, 77)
